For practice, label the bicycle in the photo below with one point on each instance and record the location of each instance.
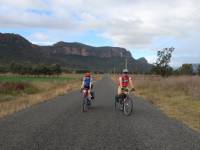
(86, 103)
(124, 102)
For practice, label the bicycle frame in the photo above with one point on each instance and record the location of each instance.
(124, 97)
(85, 93)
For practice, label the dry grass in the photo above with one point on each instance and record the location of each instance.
(25, 101)
(48, 90)
(177, 96)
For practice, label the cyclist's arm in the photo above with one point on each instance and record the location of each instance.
(120, 82)
(82, 83)
(91, 82)
(131, 83)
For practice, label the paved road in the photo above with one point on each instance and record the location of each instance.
(60, 125)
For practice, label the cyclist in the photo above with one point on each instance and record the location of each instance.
(124, 82)
(88, 84)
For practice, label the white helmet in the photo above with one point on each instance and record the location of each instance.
(125, 70)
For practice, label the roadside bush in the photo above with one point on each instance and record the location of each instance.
(16, 88)
(11, 86)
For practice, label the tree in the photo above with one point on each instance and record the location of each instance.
(187, 69)
(36, 70)
(56, 69)
(198, 70)
(3, 69)
(177, 71)
(15, 67)
(44, 70)
(161, 66)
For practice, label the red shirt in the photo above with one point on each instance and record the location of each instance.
(125, 80)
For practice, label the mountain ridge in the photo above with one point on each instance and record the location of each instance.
(72, 55)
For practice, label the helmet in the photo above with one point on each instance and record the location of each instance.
(88, 74)
(125, 70)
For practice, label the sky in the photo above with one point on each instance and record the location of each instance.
(142, 27)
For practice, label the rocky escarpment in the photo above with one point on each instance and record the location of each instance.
(73, 55)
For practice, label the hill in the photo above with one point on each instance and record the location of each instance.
(76, 56)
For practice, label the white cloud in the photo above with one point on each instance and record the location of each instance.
(23, 4)
(127, 23)
(41, 37)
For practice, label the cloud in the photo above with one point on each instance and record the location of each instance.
(23, 4)
(127, 23)
(41, 37)
(34, 14)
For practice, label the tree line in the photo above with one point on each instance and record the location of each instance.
(187, 69)
(162, 67)
(40, 69)
(29, 69)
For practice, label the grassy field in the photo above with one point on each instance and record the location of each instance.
(12, 78)
(177, 96)
(13, 86)
(18, 92)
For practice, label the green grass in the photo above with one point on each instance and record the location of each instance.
(33, 79)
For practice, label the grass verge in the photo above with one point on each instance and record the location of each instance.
(19, 92)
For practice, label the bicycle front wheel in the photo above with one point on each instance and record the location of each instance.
(128, 106)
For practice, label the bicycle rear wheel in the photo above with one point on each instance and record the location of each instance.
(84, 105)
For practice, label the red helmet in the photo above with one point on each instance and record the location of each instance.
(88, 74)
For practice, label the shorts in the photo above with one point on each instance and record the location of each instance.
(86, 87)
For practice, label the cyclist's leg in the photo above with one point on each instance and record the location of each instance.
(92, 92)
(89, 92)
(118, 93)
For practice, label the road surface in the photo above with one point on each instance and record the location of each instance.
(59, 124)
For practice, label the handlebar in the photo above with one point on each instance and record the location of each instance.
(127, 90)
